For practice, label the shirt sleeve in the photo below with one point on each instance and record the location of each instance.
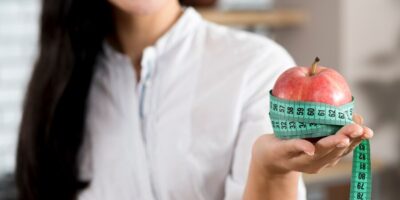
(254, 122)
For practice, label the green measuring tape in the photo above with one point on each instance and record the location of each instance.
(299, 119)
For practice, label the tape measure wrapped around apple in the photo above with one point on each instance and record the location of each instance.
(315, 102)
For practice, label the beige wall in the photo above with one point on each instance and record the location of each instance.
(371, 34)
(369, 28)
(318, 37)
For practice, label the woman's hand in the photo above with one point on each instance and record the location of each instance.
(276, 163)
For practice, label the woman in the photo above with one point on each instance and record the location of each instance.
(138, 99)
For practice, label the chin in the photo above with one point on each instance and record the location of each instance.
(139, 7)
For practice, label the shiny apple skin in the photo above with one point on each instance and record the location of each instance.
(325, 86)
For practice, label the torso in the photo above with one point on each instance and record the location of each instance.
(174, 134)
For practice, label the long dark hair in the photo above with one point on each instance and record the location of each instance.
(51, 131)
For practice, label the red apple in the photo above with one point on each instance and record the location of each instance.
(313, 84)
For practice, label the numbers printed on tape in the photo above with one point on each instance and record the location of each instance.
(319, 113)
(298, 119)
(361, 180)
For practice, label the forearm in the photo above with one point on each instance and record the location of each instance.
(262, 184)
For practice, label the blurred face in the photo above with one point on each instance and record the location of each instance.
(140, 7)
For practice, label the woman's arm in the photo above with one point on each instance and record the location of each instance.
(276, 164)
(262, 185)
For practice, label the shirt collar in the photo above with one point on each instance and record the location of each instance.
(184, 26)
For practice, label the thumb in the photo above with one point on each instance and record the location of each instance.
(358, 118)
(294, 146)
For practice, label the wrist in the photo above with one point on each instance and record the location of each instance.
(269, 163)
(272, 172)
(264, 183)
(269, 177)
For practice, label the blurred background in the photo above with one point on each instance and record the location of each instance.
(359, 38)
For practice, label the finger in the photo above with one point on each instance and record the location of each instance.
(328, 144)
(308, 164)
(358, 118)
(295, 146)
(368, 133)
(334, 163)
(333, 141)
(340, 140)
(351, 130)
(354, 143)
(335, 154)
(313, 164)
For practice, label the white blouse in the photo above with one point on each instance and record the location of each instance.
(184, 131)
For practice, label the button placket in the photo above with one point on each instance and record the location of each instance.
(146, 101)
(147, 65)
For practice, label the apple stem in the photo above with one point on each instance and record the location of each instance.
(314, 66)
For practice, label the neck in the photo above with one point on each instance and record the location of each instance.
(133, 32)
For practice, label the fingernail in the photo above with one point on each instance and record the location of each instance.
(358, 132)
(355, 134)
(310, 153)
(370, 133)
(343, 144)
(361, 119)
(366, 136)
